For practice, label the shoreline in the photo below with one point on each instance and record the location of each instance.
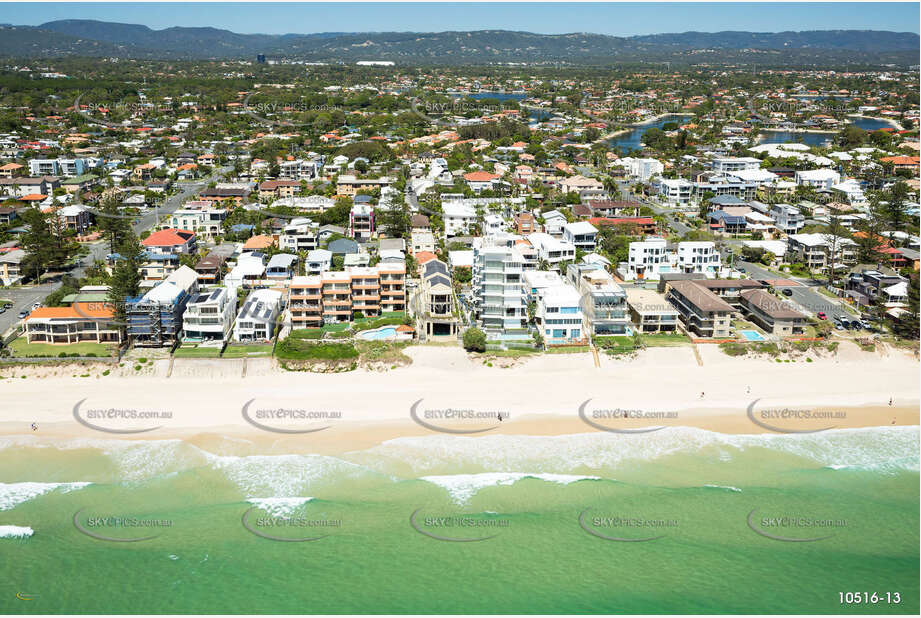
(205, 400)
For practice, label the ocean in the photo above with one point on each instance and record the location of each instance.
(680, 520)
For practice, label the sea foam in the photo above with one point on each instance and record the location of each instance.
(462, 487)
(14, 494)
(15, 532)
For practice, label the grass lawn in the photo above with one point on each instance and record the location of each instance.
(247, 351)
(383, 352)
(298, 349)
(194, 351)
(20, 347)
(655, 340)
(574, 349)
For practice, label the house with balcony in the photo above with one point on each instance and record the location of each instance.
(155, 318)
(209, 315)
(281, 266)
(300, 234)
(787, 219)
(306, 301)
(698, 257)
(258, 317)
(701, 313)
(775, 316)
(499, 304)
(80, 322)
(581, 234)
(459, 218)
(205, 221)
(650, 312)
(603, 302)
(361, 222)
(552, 250)
(817, 251)
(559, 315)
(318, 261)
(171, 240)
(436, 300)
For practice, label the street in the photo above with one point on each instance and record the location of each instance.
(24, 297)
(803, 292)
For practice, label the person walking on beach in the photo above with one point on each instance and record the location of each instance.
(701, 394)
(35, 427)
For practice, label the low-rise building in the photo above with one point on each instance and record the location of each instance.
(700, 311)
(650, 312)
(209, 315)
(258, 317)
(775, 316)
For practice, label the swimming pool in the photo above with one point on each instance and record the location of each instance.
(751, 335)
(387, 332)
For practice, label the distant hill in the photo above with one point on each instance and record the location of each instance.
(81, 37)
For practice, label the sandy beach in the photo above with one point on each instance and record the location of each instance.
(204, 399)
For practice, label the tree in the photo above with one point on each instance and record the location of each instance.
(44, 243)
(474, 340)
(111, 222)
(126, 276)
(906, 325)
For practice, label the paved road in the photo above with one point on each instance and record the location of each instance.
(25, 297)
(669, 213)
(803, 292)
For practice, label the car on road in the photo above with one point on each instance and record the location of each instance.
(7, 305)
(821, 315)
(2, 310)
(742, 270)
(787, 292)
(24, 313)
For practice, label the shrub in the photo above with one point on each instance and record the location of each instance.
(474, 340)
(733, 349)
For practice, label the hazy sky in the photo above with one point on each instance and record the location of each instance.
(621, 19)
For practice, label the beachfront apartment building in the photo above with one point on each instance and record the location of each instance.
(581, 234)
(603, 302)
(258, 316)
(551, 250)
(436, 300)
(155, 319)
(559, 316)
(499, 304)
(700, 311)
(650, 312)
(209, 315)
(333, 296)
(80, 322)
(775, 316)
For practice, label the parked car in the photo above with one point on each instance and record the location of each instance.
(2, 310)
(821, 315)
(787, 292)
(839, 325)
(7, 305)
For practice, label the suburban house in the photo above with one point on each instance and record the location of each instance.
(580, 183)
(171, 240)
(480, 181)
(525, 223)
(276, 189)
(10, 266)
(301, 234)
(258, 316)
(210, 269)
(459, 218)
(318, 261)
(788, 219)
(422, 240)
(350, 185)
(700, 311)
(205, 221)
(209, 315)
(816, 251)
(552, 250)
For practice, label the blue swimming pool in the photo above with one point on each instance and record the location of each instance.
(386, 332)
(752, 335)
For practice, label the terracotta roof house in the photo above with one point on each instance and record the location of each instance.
(171, 240)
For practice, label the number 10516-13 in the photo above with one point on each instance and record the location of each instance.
(854, 598)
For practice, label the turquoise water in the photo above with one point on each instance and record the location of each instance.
(693, 489)
(382, 333)
(626, 142)
(751, 335)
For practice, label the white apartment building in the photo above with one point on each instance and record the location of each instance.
(204, 221)
(603, 302)
(552, 250)
(299, 235)
(422, 240)
(676, 191)
(209, 315)
(497, 278)
(788, 219)
(554, 221)
(819, 179)
(581, 234)
(258, 316)
(643, 169)
(735, 164)
(698, 257)
(459, 218)
(559, 315)
(300, 169)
